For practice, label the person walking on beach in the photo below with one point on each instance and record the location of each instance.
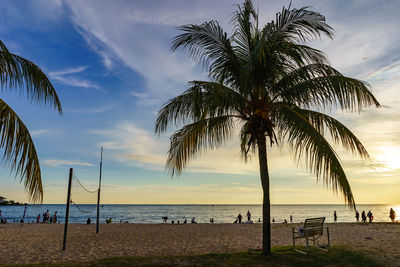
(2, 219)
(357, 216)
(392, 215)
(291, 219)
(55, 217)
(370, 216)
(47, 217)
(363, 217)
(334, 216)
(38, 218)
(273, 220)
(248, 215)
(239, 218)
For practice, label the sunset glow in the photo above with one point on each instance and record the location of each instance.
(389, 156)
(112, 78)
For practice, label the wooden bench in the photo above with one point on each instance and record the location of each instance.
(312, 230)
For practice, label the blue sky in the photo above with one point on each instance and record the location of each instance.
(111, 64)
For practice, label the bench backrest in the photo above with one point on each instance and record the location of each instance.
(314, 226)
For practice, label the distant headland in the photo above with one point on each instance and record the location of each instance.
(5, 202)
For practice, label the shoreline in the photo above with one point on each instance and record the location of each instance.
(222, 214)
(201, 223)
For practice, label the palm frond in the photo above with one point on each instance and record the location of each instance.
(300, 55)
(330, 89)
(210, 45)
(19, 73)
(306, 141)
(339, 132)
(20, 152)
(247, 141)
(203, 99)
(302, 24)
(244, 29)
(201, 135)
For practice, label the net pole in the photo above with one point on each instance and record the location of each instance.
(67, 208)
(98, 193)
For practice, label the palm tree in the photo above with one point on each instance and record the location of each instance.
(269, 82)
(17, 73)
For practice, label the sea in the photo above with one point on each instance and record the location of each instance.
(152, 214)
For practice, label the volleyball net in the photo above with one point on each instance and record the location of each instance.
(83, 198)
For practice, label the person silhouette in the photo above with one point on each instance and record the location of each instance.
(240, 218)
(363, 216)
(392, 215)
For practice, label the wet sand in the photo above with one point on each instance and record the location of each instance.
(33, 243)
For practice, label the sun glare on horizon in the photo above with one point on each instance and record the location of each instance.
(389, 157)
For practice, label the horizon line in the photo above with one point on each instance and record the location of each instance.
(209, 204)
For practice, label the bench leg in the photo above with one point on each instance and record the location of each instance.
(329, 240)
(294, 242)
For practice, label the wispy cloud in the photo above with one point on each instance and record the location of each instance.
(39, 132)
(88, 110)
(144, 99)
(69, 71)
(41, 13)
(98, 46)
(65, 76)
(137, 146)
(207, 188)
(59, 162)
(388, 72)
(149, 55)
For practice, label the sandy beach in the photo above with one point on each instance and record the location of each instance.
(32, 243)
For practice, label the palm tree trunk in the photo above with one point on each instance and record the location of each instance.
(262, 156)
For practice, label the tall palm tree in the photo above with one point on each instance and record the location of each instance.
(269, 82)
(17, 73)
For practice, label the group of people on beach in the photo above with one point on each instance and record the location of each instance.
(364, 216)
(47, 218)
(193, 220)
(248, 215)
(284, 221)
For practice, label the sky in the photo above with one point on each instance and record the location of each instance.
(112, 67)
